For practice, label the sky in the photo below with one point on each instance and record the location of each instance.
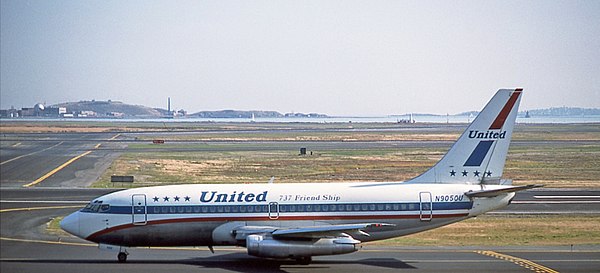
(345, 58)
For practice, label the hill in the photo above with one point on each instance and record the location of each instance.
(550, 112)
(109, 109)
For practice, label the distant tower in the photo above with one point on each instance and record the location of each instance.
(169, 106)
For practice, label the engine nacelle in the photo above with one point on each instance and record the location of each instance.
(260, 246)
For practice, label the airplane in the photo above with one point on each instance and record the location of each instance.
(301, 220)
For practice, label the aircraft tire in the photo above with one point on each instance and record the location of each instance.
(122, 257)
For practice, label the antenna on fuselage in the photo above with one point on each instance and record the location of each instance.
(272, 179)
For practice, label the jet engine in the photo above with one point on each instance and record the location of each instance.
(266, 247)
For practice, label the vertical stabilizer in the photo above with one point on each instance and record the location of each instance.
(480, 152)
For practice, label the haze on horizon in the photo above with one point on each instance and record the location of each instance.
(364, 58)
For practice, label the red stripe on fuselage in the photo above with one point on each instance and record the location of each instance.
(501, 118)
(266, 218)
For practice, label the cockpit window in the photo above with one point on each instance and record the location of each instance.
(96, 206)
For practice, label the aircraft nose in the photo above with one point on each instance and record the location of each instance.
(70, 223)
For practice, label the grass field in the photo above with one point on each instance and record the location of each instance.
(572, 159)
(486, 230)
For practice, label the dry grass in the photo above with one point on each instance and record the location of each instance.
(52, 129)
(569, 166)
(508, 231)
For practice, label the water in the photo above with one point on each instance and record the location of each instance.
(386, 119)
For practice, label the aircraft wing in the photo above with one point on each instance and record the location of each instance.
(313, 232)
(496, 192)
(329, 231)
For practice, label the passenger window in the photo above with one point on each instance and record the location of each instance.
(379, 206)
(156, 210)
(250, 208)
(188, 209)
(180, 209)
(212, 209)
(165, 209)
(196, 209)
(172, 209)
(204, 209)
(242, 208)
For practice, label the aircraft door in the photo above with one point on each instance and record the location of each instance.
(273, 210)
(138, 209)
(425, 206)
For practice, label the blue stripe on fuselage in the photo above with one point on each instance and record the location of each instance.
(287, 208)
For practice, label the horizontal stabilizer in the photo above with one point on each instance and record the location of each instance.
(496, 192)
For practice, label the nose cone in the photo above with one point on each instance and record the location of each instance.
(71, 223)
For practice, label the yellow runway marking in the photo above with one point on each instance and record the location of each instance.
(518, 261)
(21, 156)
(56, 170)
(16, 144)
(37, 181)
(39, 208)
(45, 242)
(115, 136)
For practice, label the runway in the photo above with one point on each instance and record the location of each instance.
(27, 158)
(64, 258)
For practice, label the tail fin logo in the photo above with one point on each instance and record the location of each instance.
(483, 147)
(501, 118)
(487, 135)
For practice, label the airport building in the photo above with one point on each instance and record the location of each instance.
(38, 110)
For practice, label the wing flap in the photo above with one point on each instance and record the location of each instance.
(313, 232)
(329, 231)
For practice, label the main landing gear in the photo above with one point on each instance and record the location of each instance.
(304, 260)
(122, 256)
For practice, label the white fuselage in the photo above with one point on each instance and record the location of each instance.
(205, 214)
